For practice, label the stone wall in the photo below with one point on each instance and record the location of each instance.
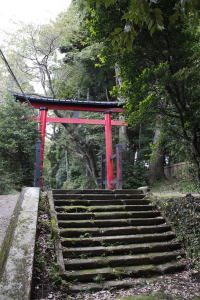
(181, 170)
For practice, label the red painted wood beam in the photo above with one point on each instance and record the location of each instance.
(81, 121)
(109, 161)
(79, 108)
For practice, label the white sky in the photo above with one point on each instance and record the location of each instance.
(37, 11)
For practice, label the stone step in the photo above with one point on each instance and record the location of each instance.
(107, 236)
(108, 231)
(102, 285)
(117, 240)
(80, 202)
(121, 261)
(102, 274)
(97, 191)
(122, 249)
(98, 196)
(112, 208)
(106, 215)
(109, 222)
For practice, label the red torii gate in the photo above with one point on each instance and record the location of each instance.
(107, 107)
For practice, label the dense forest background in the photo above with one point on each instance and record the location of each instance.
(145, 53)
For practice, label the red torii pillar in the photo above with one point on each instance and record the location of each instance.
(109, 151)
(43, 124)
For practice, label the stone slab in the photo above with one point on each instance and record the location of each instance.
(17, 276)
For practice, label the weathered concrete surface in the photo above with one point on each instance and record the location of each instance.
(8, 216)
(17, 276)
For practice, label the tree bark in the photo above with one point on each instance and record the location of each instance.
(156, 167)
(196, 154)
(123, 137)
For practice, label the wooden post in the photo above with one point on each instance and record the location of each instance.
(37, 176)
(103, 171)
(119, 165)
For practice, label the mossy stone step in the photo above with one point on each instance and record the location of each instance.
(99, 196)
(97, 191)
(120, 284)
(81, 202)
(122, 249)
(78, 232)
(109, 222)
(103, 285)
(106, 215)
(117, 240)
(112, 208)
(121, 261)
(102, 274)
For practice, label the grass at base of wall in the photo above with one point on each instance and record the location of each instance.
(183, 186)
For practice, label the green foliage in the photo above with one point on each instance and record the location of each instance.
(78, 182)
(72, 154)
(99, 278)
(82, 79)
(43, 203)
(132, 16)
(135, 174)
(188, 186)
(66, 167)
(156, 45)
(17, 145)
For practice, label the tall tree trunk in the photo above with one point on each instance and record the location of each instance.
(156, 167)
(196, 153)
(123, 137)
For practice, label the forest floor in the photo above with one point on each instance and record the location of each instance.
(183, 285)
(47, 282)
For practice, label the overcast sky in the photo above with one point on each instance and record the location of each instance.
(38, 11)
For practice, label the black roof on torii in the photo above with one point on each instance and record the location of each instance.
(37, 101)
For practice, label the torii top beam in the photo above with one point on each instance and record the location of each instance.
(64, 104)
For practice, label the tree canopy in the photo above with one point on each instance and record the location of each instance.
(156, 44)
(17, 145)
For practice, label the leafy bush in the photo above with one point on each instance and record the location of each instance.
(135, 174)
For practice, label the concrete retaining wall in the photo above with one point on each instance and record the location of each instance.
(17, 274)
(9, 208)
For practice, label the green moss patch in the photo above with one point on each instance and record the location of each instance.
(157, 296)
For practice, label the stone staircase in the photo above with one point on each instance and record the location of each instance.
(108, 237)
